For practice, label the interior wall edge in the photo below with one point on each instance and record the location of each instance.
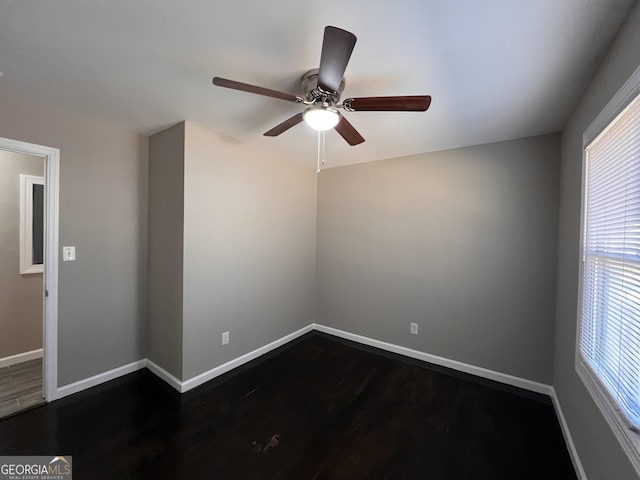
(566, 433)
(481, 372)
(100, 378)
(186, 385)
(241, 360)
(162, 374)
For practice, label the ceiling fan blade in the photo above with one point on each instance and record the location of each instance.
(348, 132)
(245, 87)
(414, 103)
(337, 46)
(284, 126)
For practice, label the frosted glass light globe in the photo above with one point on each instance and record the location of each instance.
(321, 118)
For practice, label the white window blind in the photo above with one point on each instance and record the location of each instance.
(610, 307)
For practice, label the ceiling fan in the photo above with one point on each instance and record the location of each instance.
(322, 89)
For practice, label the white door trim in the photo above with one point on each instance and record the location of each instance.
(52, 183)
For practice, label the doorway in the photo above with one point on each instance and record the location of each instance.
(38, 265)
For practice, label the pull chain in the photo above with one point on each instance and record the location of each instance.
(320, 150)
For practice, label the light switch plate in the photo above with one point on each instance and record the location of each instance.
(68, 254)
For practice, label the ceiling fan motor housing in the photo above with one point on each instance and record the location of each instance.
(315, 94)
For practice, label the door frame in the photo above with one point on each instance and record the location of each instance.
(50, 285)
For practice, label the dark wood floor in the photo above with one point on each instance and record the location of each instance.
(20, 387)
(316, 409)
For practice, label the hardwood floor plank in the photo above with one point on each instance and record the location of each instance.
(31, 399)
(314, 409)
(21, 386)
(8, 407)
(28, 365)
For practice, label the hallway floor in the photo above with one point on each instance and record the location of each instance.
(20, 387)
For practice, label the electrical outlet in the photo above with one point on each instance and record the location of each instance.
(414, 328)
(225, 338)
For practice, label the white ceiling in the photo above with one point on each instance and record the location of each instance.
(497, 69)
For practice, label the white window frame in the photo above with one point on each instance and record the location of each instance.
(26, 224)
(626, 433)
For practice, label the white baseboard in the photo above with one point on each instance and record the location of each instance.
(577, 464)
(477, 371)
(247, 357)
(184, 386)
(444, 362)
(180, 386)
(160, 372)
(198, 380)
(80, 385)
(20, 357)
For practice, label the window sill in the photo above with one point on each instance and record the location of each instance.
(622, 428)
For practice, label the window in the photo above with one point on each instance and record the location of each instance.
(608, 357)
(31, 224)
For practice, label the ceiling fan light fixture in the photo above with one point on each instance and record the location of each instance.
(321, 118)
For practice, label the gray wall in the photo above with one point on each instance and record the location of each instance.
(598, 449)
(462, 242)
(20, 295)
(249, 248)
(103, 212)
(166, 219)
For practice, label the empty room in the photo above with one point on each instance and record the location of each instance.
(303, 240)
